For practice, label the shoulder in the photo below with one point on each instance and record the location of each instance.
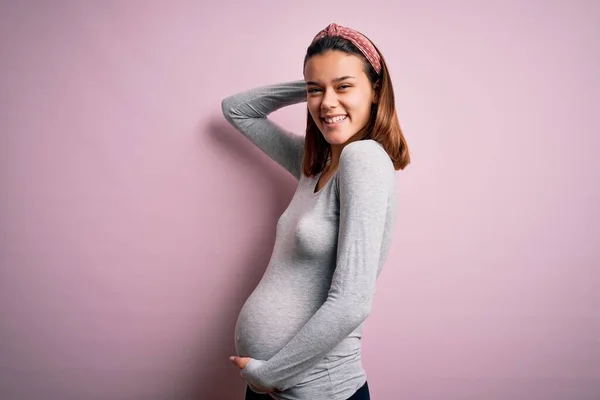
(366, 155)
(366, 163)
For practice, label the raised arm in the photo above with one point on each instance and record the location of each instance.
(366, 182)
(247, 111)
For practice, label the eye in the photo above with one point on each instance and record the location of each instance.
(344, 86)
(313, 90)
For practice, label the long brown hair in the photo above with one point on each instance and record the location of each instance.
(383, 125)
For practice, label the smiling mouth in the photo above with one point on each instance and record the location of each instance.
(335, 120)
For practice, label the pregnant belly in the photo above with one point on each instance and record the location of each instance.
(272, 316)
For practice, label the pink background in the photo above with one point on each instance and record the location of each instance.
(134, 221)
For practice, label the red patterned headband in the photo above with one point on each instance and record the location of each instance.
(358, 39)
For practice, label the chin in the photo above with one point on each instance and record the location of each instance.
(339, 141)
(337, 138)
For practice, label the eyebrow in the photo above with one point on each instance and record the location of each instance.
(343, 78)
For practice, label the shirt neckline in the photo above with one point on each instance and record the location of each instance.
(316, 181)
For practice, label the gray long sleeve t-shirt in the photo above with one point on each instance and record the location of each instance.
(302, 325)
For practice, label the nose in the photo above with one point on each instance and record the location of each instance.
(329, 99)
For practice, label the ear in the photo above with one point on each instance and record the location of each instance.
(376, 87)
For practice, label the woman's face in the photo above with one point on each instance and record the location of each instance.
(338, 87)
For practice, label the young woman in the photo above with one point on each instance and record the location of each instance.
(298, 336)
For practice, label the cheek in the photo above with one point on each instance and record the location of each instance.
(356, 100)
(313, 108)
(358, 107)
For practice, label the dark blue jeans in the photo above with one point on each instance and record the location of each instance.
(360, 394)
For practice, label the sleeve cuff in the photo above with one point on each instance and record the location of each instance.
(251, 375)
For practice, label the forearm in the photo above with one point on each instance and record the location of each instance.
(331, 324)
(261, 101)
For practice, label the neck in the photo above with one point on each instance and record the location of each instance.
(334, 160)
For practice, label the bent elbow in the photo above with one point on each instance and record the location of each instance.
(227, 108)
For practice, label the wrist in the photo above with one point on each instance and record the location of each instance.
(251, 373)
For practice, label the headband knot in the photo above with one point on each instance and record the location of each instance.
(358, 39)
(333, 30)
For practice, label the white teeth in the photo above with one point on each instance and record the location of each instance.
(335, 119)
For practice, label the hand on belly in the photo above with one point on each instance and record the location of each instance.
(241, 363)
